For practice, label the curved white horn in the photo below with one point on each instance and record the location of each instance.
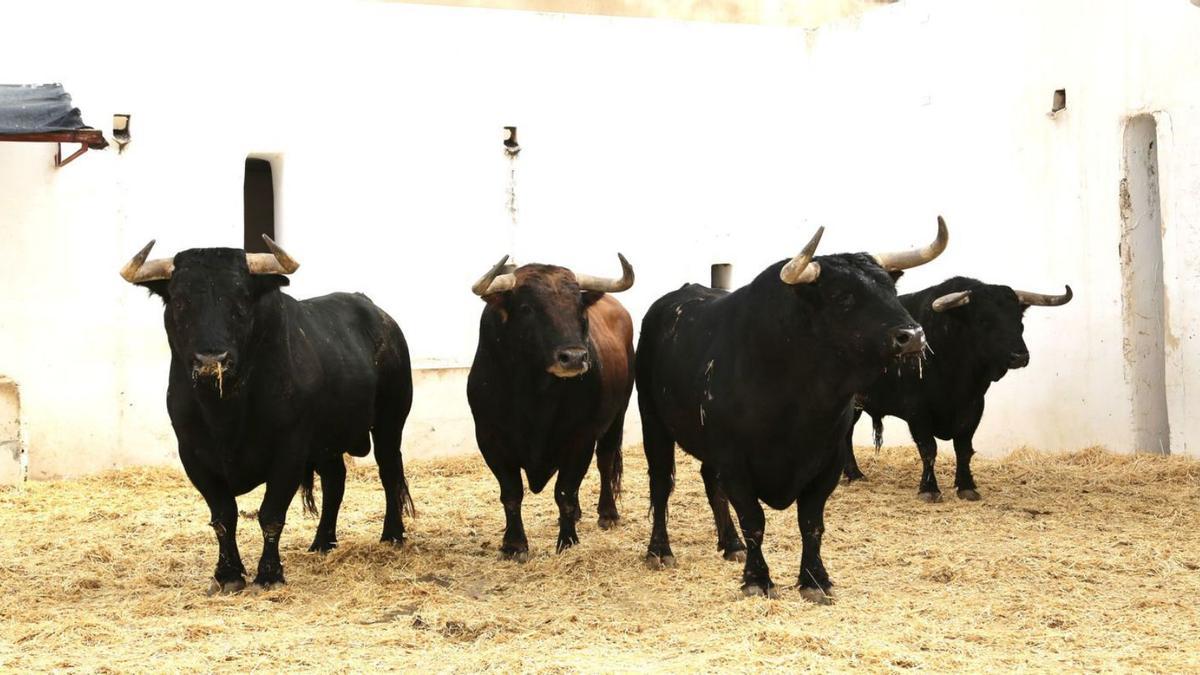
(1043, 300)
(493, 281)
(138, 269)
(951, 300)
(801, 269)
(903, 260)
(276, 262)
(606, 285)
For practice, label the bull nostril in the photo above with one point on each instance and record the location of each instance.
(564, 358)
(903, 338)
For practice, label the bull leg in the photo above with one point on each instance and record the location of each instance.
(512, 492)
(660, 459)
(927, 446)
(272, 514)
(391, 476)
(566, 494)
(222, 506)
(963, 480)
(610, 464)
(728, 541)
(810, 517)
(756, 577)
(333, 487)
(963, 451)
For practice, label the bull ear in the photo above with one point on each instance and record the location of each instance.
(261, 284)
(157, 287)
(591, 297)
(498, 302)
(895, 274)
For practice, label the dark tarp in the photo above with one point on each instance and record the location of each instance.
(29, 109)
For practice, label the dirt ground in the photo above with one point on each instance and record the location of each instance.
(1079, 562)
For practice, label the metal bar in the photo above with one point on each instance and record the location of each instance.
(60, 162)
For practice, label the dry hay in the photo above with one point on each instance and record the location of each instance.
(1081, 561)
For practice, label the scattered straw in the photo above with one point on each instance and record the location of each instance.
(1085, 561)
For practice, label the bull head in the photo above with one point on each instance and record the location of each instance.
(542, 313)
(1026, 298)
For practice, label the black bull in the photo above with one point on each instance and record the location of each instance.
(975, 332)
(267, 389)
(758, 384)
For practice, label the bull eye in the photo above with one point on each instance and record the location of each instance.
(525, 310)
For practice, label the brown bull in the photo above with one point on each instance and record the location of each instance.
(549, 386)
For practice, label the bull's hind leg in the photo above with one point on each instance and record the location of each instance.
(810, 516)
(333, 486)
(610, 464)
(660, 460)
(391, 475)
(728, 541)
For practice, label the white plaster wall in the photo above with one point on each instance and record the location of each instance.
(678, 144)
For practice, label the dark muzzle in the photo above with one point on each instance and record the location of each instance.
(210, 365)
(908, 340)
(570, 362)
(1018, 360)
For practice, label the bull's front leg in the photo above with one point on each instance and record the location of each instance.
(223, 516)
(284, 481)
(927, 446)
(566, 492)
(756, 576)
(814, 582)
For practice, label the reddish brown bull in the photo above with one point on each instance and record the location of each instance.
(549, 386)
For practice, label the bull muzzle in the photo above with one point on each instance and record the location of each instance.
(907, 340)
(1018, 360)
(570, 362)
(211, 366)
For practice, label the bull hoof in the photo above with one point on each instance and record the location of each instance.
(758, 591)
(735, 556)
(969, 495)
(566, 542)
(817, 596)
(396, 540)
(852, 477)
(266, 586)
(930, 497)
(227, 587)
(515, 556)
(268, 582)
(657, 562)
(608, 522)
(322, 546)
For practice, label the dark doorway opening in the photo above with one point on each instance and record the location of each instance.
(258, 203)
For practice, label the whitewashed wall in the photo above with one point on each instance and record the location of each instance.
(677, 144)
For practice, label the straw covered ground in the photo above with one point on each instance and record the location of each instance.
(1080, 561)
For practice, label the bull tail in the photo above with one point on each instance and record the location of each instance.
(877, 429)
(406, 501)
(618, 468)
(306, 492)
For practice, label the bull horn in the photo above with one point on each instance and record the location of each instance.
(138, 270)
(494, 282)
(951, 300)
(1044, 300)
(903, 260)
(276, 262)
(801, 269)
(606, 285)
